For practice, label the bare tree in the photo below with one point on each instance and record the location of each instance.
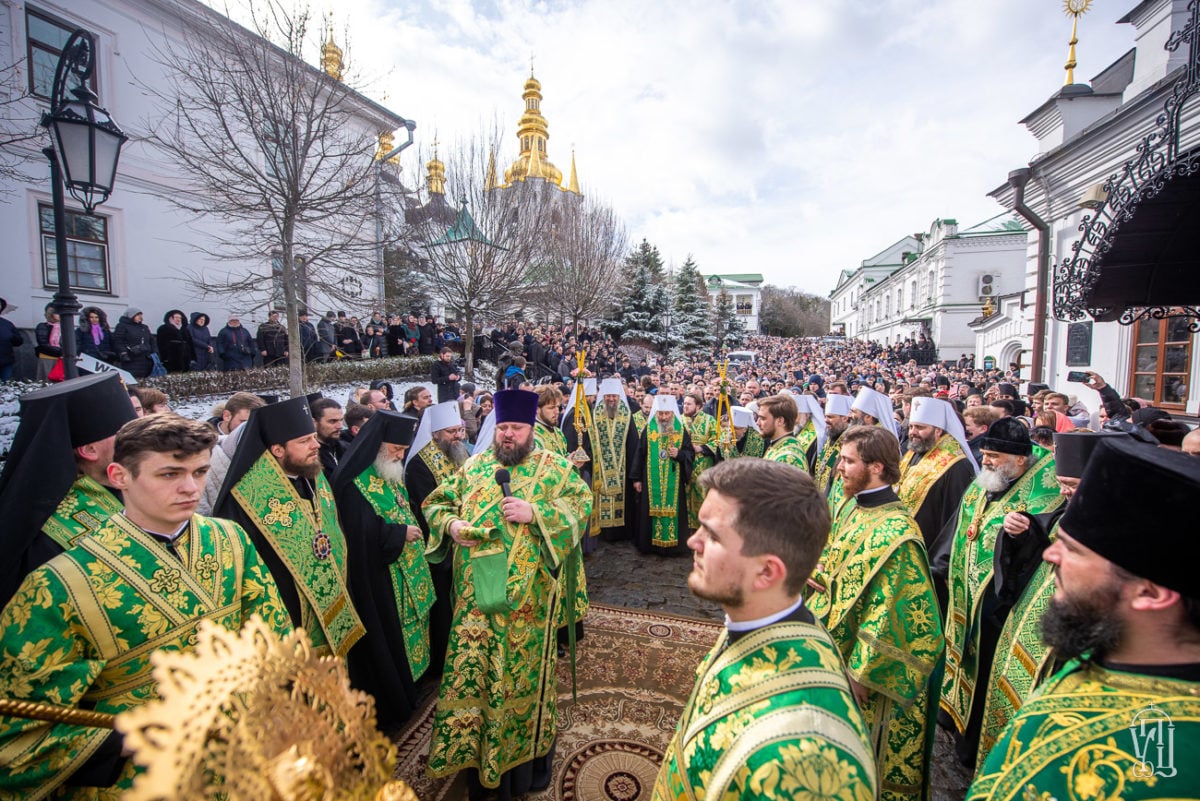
(280, 154)
(481, 264)
(19, 124)
(587, 246)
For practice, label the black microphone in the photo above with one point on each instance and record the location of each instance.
(503, 478)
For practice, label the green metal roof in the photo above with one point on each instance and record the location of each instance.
(464, 229)
(741, 278)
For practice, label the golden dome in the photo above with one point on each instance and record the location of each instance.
(331, 58)
(533, 132)
(435, 177)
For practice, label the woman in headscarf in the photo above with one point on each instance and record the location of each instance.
(174, 342)
(93, 337)
(202, 341)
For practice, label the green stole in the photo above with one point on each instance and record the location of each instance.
(703, 430)
(412, 584)
(749, 444)
(827, 461)
(971, 566)
(662, 481)
(806, 437)
(84, 509)
(437, 547)
(1092, 733)
(313, 550)
(639, 420)
(123, 597)
(609, 477)
(770, 716)
(1022, 658)
(787, 449)
(549, 439)
(880, 607)
(916, 481)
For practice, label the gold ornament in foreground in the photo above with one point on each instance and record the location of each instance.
(249, 716)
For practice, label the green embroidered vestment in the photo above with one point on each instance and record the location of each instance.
(970, 576)
(81, 629)
(771, 716)
(497, 705)
(881, 609)
(412, 584)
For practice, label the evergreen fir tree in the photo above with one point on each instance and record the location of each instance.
(727, 326)
(691, 327)
(640, 312)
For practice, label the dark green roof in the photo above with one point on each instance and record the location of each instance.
(741, 278)
(463, 230)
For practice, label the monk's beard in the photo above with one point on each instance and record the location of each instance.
(512, 455)
(454, 450)
(390, 470)
(1074, 626)
(918, 446)
(994, 480)
(309, 471)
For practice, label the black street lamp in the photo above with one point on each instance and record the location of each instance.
(86, 145)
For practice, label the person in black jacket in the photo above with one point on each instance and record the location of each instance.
(174, 342)
(445, 377)
(310, 342)
(10, 338)
(327, 331)
(134, 343)
(235, 346)
(49, 342)
(93, 337)
(427, 331)
(202, 342)
(272, 340)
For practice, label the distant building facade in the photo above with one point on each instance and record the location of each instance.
(744, 290)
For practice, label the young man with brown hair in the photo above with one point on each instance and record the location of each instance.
(771, 695)
(81, 629)
(874, 594)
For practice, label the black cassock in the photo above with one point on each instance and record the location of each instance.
(643, 525)
(378, 663)
(420, 483)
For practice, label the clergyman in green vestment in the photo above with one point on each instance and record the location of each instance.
(276, 491)
(1015, 476)
(873, 592)
(1025, 583)
(387, 572)
(702, 428)
(772, 715)
(497, 706)
(55, 485)
(1121, 720)
(660, 478)
(82, 628)
(776, 419)
(837, 418)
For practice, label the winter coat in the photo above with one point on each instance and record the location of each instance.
(428, 339)
(10, 338)
(327, 331)
(354, 346)
(310, 343)
(235, 346)
(202, 342)
(44, 348)
(86, 344)
(272, 342)
(133, 344)
(439, 374)
(174, 344)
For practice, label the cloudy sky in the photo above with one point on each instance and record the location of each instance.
(788, 137)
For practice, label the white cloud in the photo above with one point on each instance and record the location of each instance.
(790, 137)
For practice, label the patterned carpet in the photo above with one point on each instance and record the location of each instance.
(635, 671)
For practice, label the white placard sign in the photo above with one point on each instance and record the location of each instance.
(91, 364)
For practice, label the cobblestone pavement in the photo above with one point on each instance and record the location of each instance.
(617, 575)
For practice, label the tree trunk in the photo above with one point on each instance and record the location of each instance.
(291, 293)
(468, 343)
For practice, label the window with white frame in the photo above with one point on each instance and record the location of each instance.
(45, 37)
(87, 250)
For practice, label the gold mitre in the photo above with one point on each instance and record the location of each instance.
(250, 716)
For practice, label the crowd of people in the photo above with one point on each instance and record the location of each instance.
(897, 543)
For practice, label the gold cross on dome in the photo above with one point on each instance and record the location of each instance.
(280, 513)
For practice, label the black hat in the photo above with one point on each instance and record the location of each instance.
(269, 399)
(515, 406)
(273, 424)
(1149, 414)
(1125, 480)
(41, 463)
(1072, 449)
(1007, 435)
(390, 427)
(313, 397)
(1034, 388)
(1007, 390)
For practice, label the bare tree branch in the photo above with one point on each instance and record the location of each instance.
(278, 153)
(587, 247)
(19, 122)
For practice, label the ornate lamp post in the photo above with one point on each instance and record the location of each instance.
(86, 145)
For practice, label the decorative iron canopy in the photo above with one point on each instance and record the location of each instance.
(1137, 256)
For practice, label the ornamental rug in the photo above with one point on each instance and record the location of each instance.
(635, 670)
